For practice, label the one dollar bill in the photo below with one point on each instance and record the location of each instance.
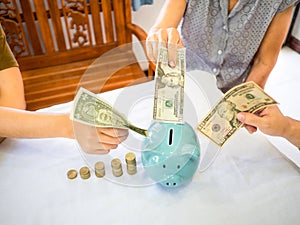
(90, 109)
(221, 122)
(169, 88)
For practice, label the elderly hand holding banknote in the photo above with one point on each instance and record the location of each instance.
(271, 121)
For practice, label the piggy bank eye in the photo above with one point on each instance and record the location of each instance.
(164, 166)
(178, 166)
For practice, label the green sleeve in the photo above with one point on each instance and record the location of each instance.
(7, 58)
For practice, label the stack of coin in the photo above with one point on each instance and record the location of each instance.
(72, 174)
(84, 172)
(116, 166)
(131, 163)
(100, 169)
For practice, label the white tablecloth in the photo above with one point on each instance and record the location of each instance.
(249, 183)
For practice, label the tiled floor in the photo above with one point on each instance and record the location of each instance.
(284, 82)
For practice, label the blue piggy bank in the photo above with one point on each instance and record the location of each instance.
(171, 153)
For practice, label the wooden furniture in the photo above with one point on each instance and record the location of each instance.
(56, 41)
(292, 41)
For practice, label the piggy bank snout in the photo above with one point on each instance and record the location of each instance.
(173, 181)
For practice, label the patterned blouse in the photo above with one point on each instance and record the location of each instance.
(223, 44)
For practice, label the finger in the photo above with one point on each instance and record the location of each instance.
(108, 140)
(151, 47)
(101, 146)
(173, 41)
(92, 147)
(162, 39)
(248, 119)
(172, 55)
(250, 129)
(113, 132)
(98, 151)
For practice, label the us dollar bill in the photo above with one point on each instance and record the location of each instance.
(221, 122)
(169, 87)
(90, 109)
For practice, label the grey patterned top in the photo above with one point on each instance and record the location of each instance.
(223, 44)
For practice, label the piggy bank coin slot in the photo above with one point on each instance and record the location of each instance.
(171, 136)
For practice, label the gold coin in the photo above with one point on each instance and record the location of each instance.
(116, 163)
(72, 174)
(118, 172)
(99, 166)
(84, 172)
(85, 176)
(131, 171)
(130, 158)
(131, 167)
(100, 173)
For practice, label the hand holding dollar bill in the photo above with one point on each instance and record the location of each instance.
(169, 88)
(221, 122)
(90, 109)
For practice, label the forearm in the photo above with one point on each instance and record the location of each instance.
(260, 71)
(24, 124)
(270, 47)
(292, 132)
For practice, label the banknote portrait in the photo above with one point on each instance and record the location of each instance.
(227, 110)
(171, 77)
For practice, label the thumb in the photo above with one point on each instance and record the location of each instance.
(248, 118)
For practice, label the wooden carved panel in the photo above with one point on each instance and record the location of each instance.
(11, 23)
(76, 18)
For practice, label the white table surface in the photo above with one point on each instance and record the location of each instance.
(249, 183)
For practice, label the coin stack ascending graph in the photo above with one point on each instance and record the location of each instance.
(131, 163)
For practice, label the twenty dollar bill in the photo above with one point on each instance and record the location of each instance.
(221, 122)
(169, 88)
(89, 109)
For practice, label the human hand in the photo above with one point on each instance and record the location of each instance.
(95, 140)
(270, 121)
(166, 37)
